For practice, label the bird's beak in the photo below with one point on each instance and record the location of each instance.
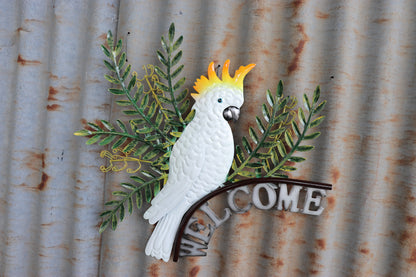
(231, 113)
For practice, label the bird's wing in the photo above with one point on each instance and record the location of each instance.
(186, 163)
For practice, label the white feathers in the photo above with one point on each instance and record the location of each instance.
(199, 163)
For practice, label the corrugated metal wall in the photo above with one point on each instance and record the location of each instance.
(363, 55)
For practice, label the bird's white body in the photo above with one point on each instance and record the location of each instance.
(199, 163)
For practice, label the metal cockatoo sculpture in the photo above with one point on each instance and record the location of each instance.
(201, 158)
(190, 154)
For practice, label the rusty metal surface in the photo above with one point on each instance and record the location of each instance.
(362, 53)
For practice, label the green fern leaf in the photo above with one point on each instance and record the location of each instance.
(177, 72)
(304, 148)
(177, 44)
(317, 121)
(246, 145)
(162, 58)
(119, 142)
(312, 136)
(93, 140)
(253, 135)
(107, 140)
(142, 149)
(176, 59)
(319, 107)
(179, 83)
(139, 200)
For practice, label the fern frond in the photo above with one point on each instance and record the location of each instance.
(274, 118)
(127, 83)
(127, 197)
(169, 59)
(308, 123)
(277, 137)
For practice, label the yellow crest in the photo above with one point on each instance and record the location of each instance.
(202, 84)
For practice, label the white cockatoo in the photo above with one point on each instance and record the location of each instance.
(201, 158)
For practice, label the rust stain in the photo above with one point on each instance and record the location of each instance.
(227, 37)
(246, 214)
(47, 224)
(33, 159)
(59, 246)
(103, 36)
(53, 107)
(365, 251)
(411, 220)
(193, 260)
(381, 20)
(224, 42)
(105, 107)
(80, 206)
(44, 180)
(266, 52)
(404, 237)
(321, 15)
(134, 248)
(243, 225)
(53, 77)
(331, 202)
(395, 117)
(21, 29)
(405, 161)
(279, 263)
(261, 11)
(42, 158)
(313, 256)
(22, 61)
(321, 244)
(230, 26)
(335, 174)
(300, 241)
(358, 33)
(52, 92)
(263, 255)
(296, 5)
(94, 81)
(298, 50)
(154, 270)
(194, 271)
(23, 185)
(412, 258)
(300, 272)
(33, 20)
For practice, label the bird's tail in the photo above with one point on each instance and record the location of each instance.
(161, 241)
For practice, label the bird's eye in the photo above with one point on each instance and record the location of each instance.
(219, 100)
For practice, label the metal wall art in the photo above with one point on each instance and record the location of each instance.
(179, 155)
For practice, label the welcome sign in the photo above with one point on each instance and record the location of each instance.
(267, 194)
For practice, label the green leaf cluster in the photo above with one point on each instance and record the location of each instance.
(171, 83)
(157, 120)
(269, 148)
